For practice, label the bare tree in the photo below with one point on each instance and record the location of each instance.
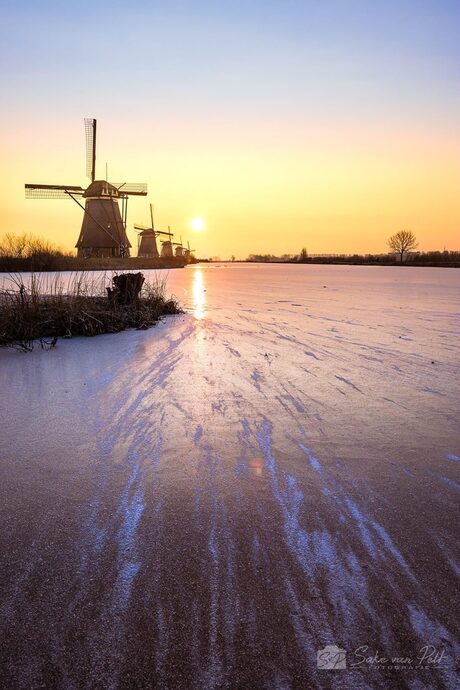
(403, 241)
(303, 256)
(14, 245)
(26, 245)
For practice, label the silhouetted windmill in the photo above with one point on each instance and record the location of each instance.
(147, 239)
(188, 252)
(103, 230)
(179, 250)
(167, 245)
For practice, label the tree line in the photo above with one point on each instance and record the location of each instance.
(29, 252)
(402, 245)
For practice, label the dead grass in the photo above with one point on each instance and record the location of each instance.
(47, 307)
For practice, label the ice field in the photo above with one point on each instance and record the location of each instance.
(208, 503)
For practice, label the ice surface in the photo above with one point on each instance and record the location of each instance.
(209, 502)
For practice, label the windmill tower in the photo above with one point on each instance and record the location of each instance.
(167, 245)
(103, 230)
(188, 252)
(179, 250)
(147, 239)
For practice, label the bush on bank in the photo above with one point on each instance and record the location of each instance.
(44, 309)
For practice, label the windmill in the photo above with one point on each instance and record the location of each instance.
(188, 252)
(179, 251)
(103, 230)
(147, 239)
(167, 245)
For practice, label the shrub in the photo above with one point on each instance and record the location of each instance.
(45, 309)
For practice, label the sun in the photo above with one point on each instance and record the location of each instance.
(197, 224)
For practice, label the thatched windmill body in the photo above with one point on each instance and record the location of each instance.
(179, 248)
(147, 239)
(188, 252)
(103, 230)
(167, 245)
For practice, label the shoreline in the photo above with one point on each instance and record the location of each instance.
(12, 265)
(454, 264)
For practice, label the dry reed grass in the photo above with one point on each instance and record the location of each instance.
(47, 307)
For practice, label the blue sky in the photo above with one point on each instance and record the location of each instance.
(249, 56)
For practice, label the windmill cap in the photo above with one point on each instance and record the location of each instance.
(101, 188)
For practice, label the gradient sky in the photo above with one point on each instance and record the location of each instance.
(328, 124)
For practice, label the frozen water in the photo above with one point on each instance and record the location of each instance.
(208, 503)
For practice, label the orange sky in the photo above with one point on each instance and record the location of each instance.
(264, 190)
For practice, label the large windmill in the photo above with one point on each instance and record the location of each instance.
(103, 230)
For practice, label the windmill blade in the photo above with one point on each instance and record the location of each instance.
(52, 191)
(134, 188)
(151, 216)
(161, 232)
(141, 227)
(90, 133)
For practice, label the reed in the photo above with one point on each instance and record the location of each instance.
(46, 307)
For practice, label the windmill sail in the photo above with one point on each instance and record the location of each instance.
(134, 188)
(90, 132)
(52, 191)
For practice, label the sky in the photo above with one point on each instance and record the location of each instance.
(325, 124)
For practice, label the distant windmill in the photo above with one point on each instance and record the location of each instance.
(167, 245)
(147, 239)
(188, 252)
(103, 230)
(179, 251)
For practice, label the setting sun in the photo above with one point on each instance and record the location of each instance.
(197, 224)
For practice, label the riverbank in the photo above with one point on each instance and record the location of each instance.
(51, 262)
(350, 261)
(44, 310)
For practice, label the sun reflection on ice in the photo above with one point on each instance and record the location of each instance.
(199, 294)
(256, 467)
